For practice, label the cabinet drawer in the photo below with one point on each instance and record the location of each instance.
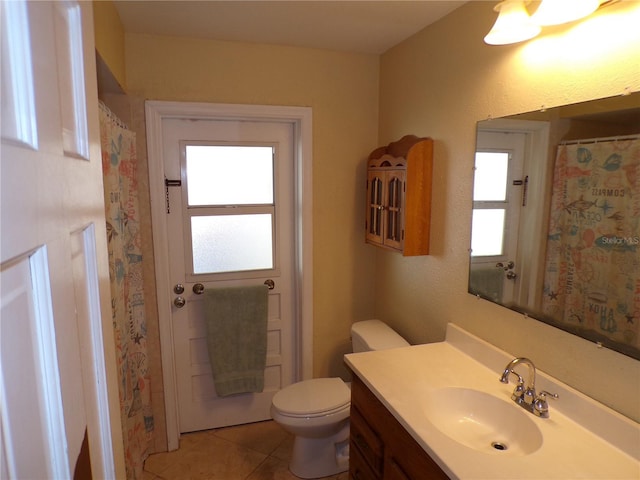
(359, 469)
(366, 441)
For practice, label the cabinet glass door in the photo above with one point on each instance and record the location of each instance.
(393, 230)
(375, 208)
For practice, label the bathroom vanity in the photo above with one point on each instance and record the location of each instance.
(380, 447)
(439, 411)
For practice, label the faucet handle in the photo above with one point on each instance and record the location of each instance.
(540, 405)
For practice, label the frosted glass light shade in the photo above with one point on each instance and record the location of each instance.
(513, 24)
(556, 12)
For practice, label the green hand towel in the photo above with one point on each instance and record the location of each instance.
(237, 338)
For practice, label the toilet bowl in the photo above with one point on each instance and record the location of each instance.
(317, 411)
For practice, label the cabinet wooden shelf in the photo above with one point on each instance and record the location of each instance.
(399, 178)
(380, 448)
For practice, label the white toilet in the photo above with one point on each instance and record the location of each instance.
(317, 411)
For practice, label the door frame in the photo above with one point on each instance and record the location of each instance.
(538, 165)
(301, 120)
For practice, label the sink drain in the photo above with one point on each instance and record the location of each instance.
(499, 445)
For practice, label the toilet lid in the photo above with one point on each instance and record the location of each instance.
(312, 396)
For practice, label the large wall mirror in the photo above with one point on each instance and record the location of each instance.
(556, 218)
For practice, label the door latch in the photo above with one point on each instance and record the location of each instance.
(170, 183)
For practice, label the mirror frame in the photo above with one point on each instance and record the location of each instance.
(544, 138)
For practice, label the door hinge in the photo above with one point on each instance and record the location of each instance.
(170, 183)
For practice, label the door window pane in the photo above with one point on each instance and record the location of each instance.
(228, 243)
(487, 226)
(490, 179)
(229, 175)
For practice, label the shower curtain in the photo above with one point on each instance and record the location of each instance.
(118, 145)
(592, 270)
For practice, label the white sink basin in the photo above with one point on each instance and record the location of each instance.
(483, 422)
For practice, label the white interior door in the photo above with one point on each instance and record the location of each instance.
(53, 249)
(499, 193)
(230, 223)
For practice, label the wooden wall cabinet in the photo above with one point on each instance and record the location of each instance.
(399, 178)
(380, 448)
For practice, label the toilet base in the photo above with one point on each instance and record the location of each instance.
(320, 457)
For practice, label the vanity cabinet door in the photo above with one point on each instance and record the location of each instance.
(395, 472)
(407, 460)
(367, 444)
(402, 458)
(359, 469)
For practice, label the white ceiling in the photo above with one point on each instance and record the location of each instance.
(353, 26)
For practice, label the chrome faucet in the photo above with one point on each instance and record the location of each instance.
(525, 392)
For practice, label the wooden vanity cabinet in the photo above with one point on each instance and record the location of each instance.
(399, 178)
(380, 448)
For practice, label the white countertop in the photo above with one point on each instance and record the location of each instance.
(582, 439)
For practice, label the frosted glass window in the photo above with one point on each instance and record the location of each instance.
(229, 175)
(229, 243)
(488, 232)
(490, 179)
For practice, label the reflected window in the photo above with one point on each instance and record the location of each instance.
(488, 232)
(490, 180)
(489, 203)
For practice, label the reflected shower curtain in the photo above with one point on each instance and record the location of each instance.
(592, 271)
(127, 301)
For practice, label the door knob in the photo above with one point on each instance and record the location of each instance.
(178, 288)
(511, 275)
(179, 302)
(198, 289)
(508, 266)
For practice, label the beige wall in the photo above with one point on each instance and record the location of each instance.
(439, 83)
(109, 35)
(342, 89)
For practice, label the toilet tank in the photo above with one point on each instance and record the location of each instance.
(371, 335)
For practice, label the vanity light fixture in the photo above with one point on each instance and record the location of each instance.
(556, 12)
(513, 24)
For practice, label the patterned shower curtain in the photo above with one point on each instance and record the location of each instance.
(127, 301)
(592, 274)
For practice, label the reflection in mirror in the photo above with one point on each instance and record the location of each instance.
(556, 218)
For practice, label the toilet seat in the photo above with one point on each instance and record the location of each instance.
(313, 398)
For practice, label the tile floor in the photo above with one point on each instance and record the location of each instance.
(257, 451)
